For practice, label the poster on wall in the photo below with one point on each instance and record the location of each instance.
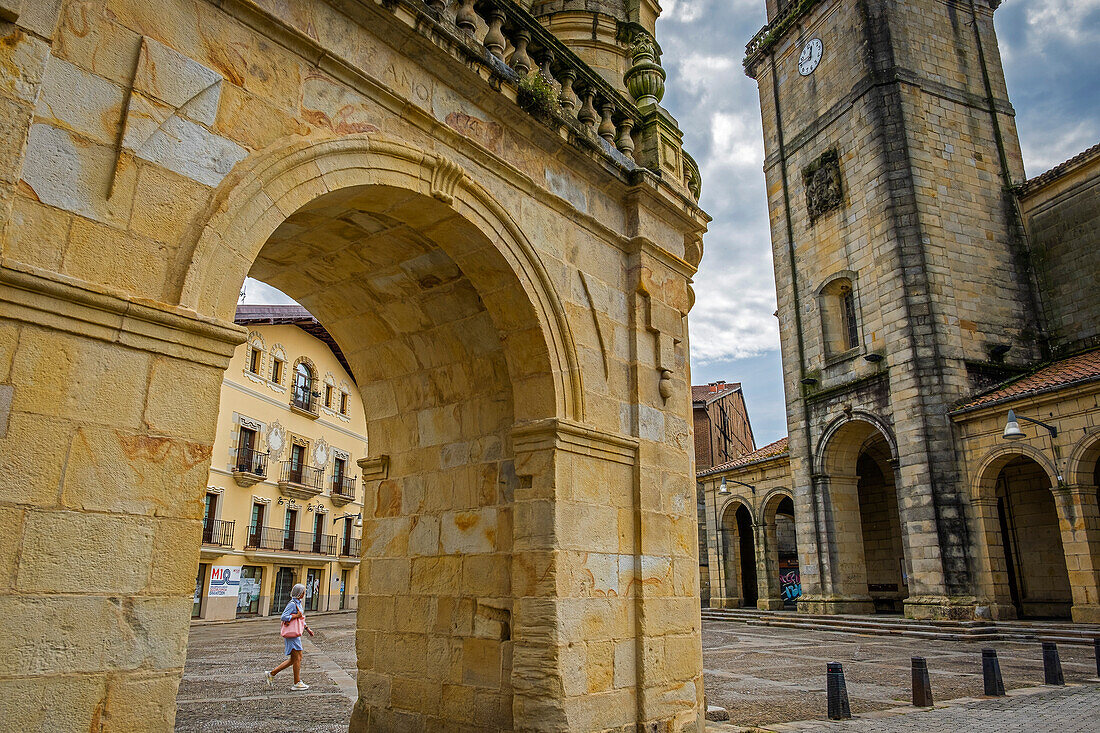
(225, 582)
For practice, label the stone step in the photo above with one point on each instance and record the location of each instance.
(1036, 631)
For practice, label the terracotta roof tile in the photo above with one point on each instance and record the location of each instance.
(1075, 369)
(771, 450)
(1057, 171)
(708, 392)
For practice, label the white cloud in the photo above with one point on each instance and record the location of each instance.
(1062, 20)
(260, 293)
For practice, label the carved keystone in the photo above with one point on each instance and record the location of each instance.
(445, 177)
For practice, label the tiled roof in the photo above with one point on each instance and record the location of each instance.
(1058, 170)
(291, 315)
(1072, 370)
(771, 450)
(707, 392)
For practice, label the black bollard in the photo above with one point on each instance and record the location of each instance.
(922, 686)
(1096, 652)
(1052, 665)
(837, 692)
(991, 674)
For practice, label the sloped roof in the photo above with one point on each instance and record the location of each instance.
(771, 450)
(291, 315)
(1076, 369)
(1059, 170)
(706, 393)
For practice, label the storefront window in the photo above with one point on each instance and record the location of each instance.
(248, 602)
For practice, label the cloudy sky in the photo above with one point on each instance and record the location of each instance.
(1051, 52)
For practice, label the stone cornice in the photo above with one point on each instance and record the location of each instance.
(572, 437)
(44, 298)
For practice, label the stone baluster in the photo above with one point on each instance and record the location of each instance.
(466, 18)
(625, 143)
(547, 74)
(607, 126)
(520, 61)
(568, 97)
(494, 37)
(587, 114)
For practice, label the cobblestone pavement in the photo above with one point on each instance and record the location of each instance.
(765, 677)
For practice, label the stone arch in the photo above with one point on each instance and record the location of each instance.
(995, 460)
(1083, 464)
(265, 189)
(1021, 514)
(845, 436)
(781, 579)
(856, 464)
(737, 530)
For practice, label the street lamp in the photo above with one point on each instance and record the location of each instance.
(1012, 427)
(358, 518)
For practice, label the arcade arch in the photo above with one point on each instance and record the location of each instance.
(867, 541)
(781, 572)
(739, 555)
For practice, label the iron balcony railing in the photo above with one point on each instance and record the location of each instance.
(217, 532)
(303, 475)
(303, 399)
(344, 486)
(350, 547)
(291, 540)
(252, 461)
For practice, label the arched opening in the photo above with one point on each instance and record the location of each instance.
(867, 535)
(784, 580)
(444, 341)
(739, 555)
(1031, 540)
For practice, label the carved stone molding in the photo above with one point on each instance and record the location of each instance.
(446, 175)
(824, 186)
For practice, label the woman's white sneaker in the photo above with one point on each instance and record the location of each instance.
(299, 686)
(269, 679)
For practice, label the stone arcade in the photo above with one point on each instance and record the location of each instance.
(508, 278)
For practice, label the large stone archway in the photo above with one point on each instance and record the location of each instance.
(513, 307)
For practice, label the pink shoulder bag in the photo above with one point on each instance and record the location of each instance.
(292, 628)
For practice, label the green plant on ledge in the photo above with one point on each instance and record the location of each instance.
(537, 95)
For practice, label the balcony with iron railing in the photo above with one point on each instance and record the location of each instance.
(303, 400)
(276, 539)
(343, 489)
(250, 467)
(350, 547)
(217, 532)
(300, 481)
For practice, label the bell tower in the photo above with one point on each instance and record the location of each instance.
(902, 277)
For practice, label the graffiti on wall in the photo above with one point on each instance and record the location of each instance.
(791, 585)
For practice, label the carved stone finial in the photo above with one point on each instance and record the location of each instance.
(645, 79)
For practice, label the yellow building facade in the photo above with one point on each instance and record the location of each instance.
(283, 501)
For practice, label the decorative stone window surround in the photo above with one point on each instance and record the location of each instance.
(832, 317)
(278, 353)
(255, 342)
(235, 435)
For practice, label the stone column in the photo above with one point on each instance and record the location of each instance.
(767, 568)
(989, 560)
(1079, 521)
(104, 451)
(841, 539)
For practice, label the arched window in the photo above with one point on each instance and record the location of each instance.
(302, 396)
(839, 316)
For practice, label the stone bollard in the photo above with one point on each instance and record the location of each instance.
(1052, 665)
(837, 692)
(922, 686)
(991, 673)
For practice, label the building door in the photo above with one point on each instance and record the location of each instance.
(210, 511)
(284, 583)
(313, 588)
(200, 580)
(289, 528)
(248, 602)
(343, 589)
(318, 531)
(256, 525)
(297, 462)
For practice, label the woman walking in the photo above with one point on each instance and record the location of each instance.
(294, 623)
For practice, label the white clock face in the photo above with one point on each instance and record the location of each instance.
(810, 57)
